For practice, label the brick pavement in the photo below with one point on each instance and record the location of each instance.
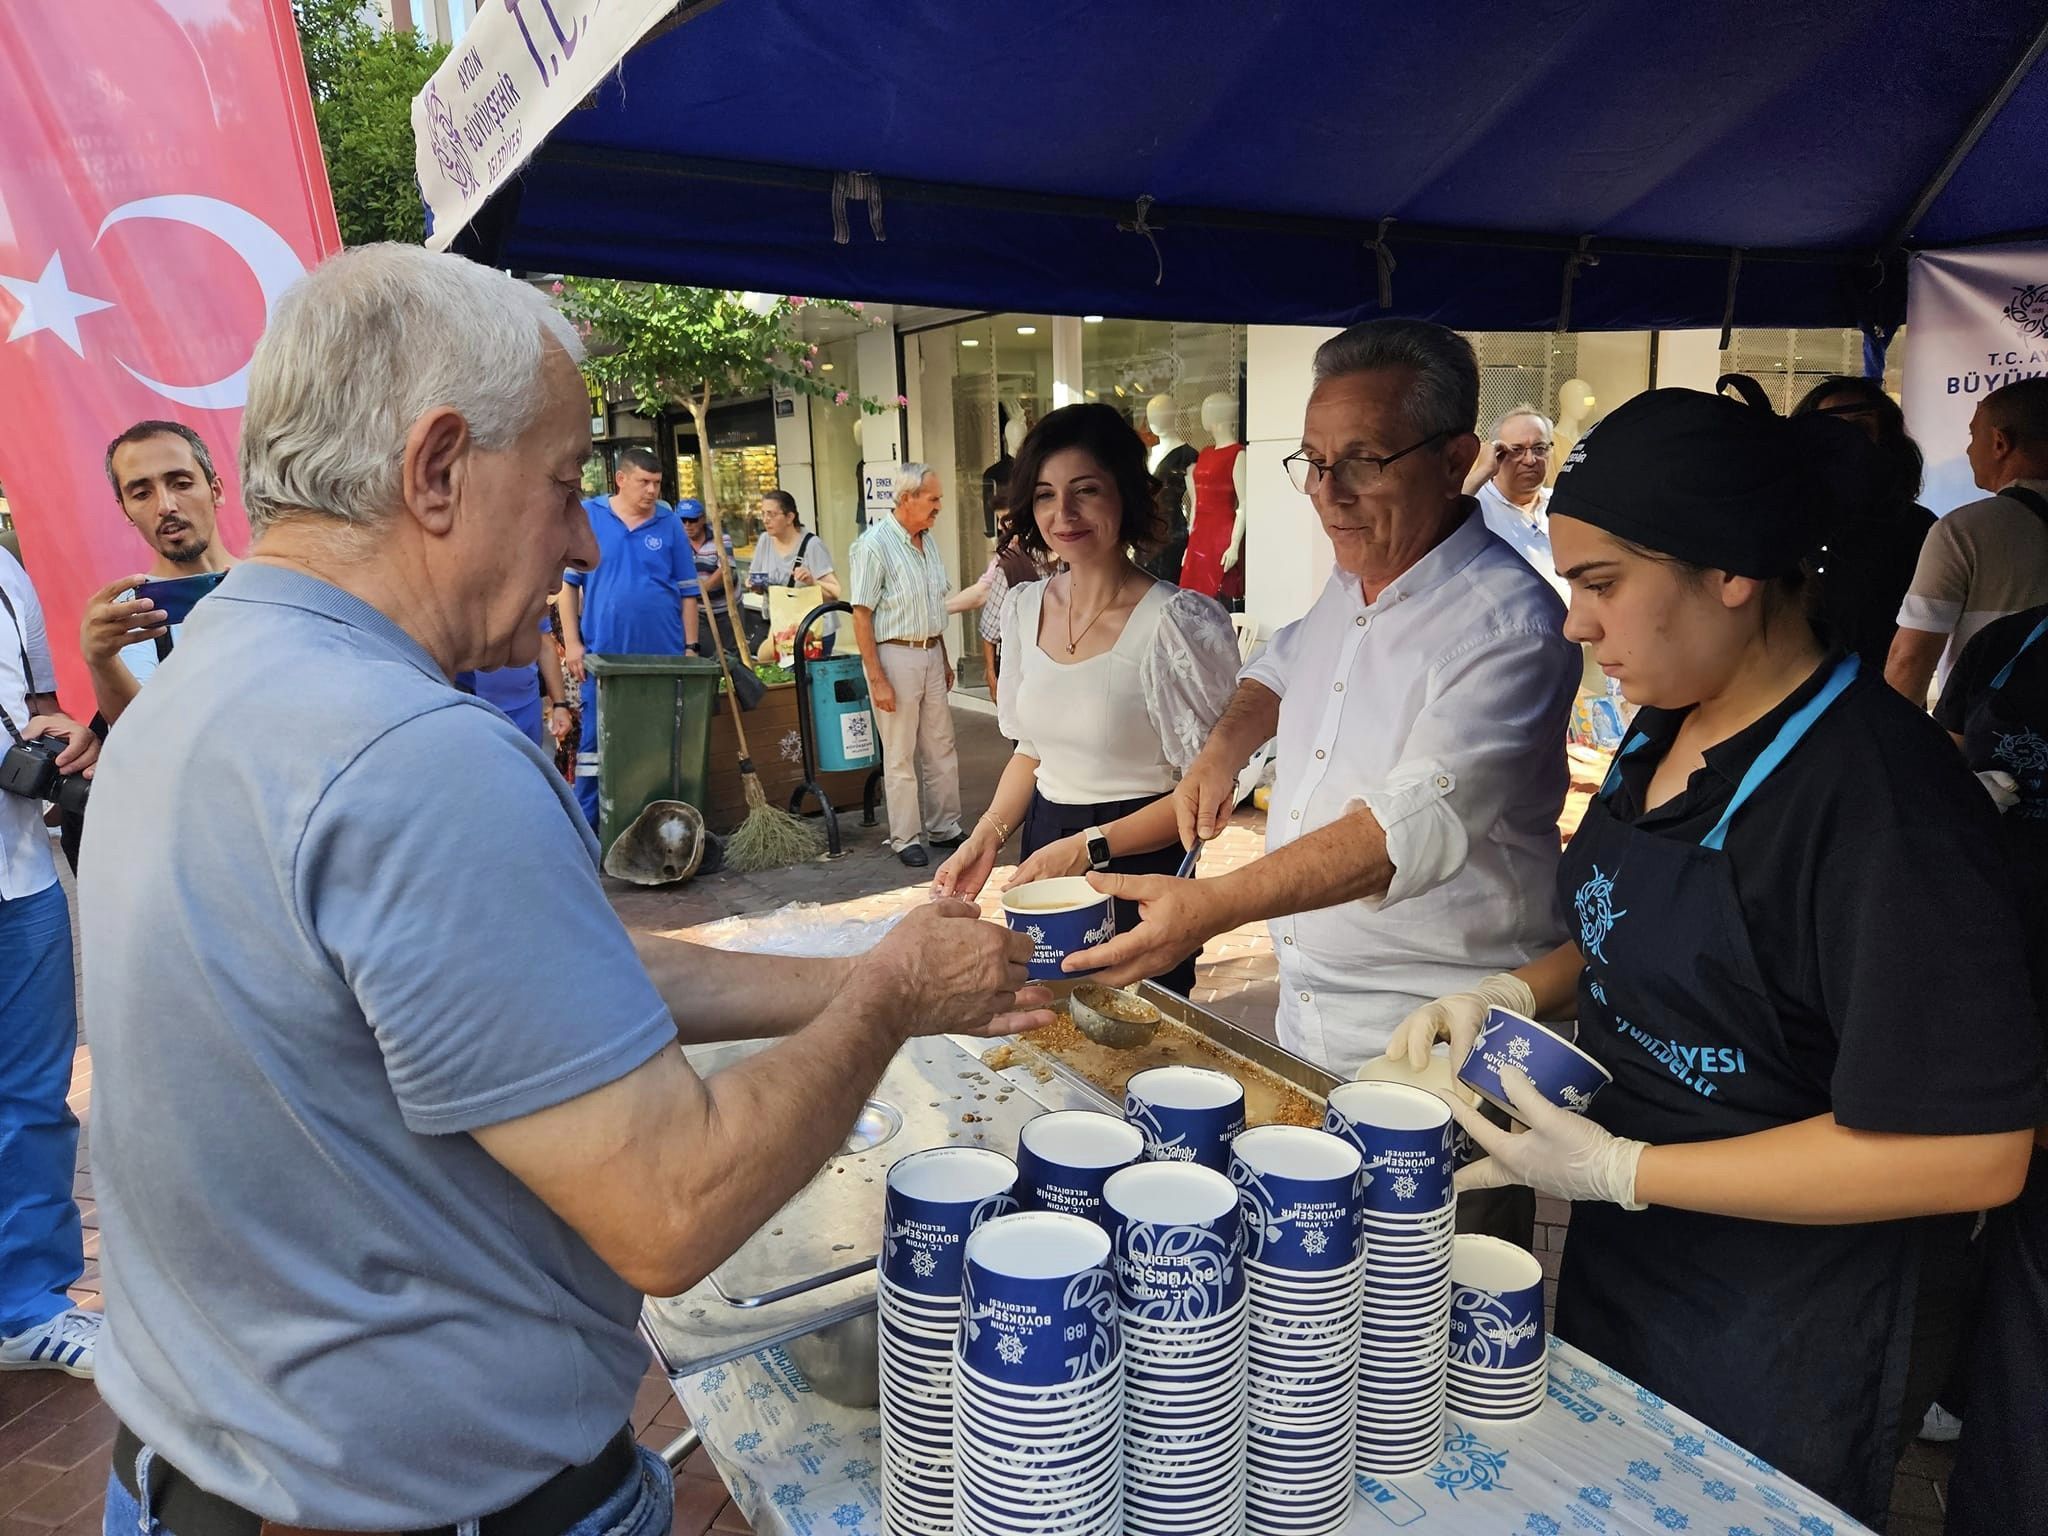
(55, 1435)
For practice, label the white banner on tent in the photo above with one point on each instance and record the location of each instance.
(519, 70)
(1976, 320)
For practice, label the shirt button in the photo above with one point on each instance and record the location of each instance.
(1304, 997)
(1359, 621)
(1288, 939)
(1340, 687)
(1320, 754)
(1443, 781)
(1294, 815)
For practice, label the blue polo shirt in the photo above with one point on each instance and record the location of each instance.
(633, 601)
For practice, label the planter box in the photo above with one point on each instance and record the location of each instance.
(774, 735)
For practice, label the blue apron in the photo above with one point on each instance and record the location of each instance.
(1791, 1340)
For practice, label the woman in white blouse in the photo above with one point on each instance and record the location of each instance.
(1111, 680)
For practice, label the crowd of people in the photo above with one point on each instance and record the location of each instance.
(360, 1180)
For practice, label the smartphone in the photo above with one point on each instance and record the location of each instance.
(178, 595)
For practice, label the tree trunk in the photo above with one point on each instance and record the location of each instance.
(699, 406)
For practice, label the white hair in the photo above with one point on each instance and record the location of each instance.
(1443, 397)
(1501, 421)
(363, 346)
(910, 479)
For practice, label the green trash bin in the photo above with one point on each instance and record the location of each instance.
(653, 735)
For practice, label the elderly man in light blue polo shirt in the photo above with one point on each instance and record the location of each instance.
(391, 1130)
(898, 592)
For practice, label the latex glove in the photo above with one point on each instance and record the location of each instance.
(1561, 1153)
(1458, 1019)
(2000, 787)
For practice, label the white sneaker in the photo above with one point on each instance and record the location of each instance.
(1940, 1426)
(65, 1343)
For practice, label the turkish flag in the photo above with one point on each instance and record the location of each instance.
(160, 186)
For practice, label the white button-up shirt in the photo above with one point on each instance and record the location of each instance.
(1524, 530)
(25, 863)
(1442, 708)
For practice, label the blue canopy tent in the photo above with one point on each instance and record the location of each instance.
(1582, 164)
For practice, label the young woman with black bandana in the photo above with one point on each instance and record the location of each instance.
(1797, 957)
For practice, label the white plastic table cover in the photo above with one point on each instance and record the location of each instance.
(1603, 1456)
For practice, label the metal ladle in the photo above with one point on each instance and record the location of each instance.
(1110, 1016)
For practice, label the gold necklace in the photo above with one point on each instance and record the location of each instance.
(1073, 639)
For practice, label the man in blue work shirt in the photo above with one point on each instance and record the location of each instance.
(640, 601)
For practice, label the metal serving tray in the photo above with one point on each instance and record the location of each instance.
(812, 1264)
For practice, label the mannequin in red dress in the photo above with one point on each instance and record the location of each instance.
(1214, 562)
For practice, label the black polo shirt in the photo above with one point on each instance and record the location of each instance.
(1877, 904)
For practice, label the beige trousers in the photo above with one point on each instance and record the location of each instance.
(920, 767)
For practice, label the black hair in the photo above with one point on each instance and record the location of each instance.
(1105, 435)
(142, 431)
(642, 459)
(1905, 464)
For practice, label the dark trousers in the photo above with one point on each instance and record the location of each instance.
(1046, 823)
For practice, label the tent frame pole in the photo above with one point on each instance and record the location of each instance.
(1938, 183)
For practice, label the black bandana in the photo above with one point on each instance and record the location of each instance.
(1707, 480)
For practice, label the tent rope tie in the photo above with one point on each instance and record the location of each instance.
(857, 187)
(1728, 304)
(1383, 259)
(1142, 225)
(1582, 257)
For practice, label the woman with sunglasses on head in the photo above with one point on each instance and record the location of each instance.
(1111, 680)
(1797, 957)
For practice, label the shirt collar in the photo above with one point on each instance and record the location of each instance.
(1728, 759)
(253, 581)
(1466, 542)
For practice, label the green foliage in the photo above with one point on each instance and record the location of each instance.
(668, 346)
(363, 82)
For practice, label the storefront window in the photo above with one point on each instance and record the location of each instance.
(744, 461)
(1789, 363)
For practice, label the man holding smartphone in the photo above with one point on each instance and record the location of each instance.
(164, 482)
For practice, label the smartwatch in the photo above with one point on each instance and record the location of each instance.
(1098, 849)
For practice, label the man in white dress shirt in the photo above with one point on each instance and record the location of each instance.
(1509, 475)
(1420, 709)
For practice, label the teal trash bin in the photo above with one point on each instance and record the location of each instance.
(842, 718)
(653, 735)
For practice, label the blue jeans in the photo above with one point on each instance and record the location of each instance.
(41, 1246)
(644, 1505)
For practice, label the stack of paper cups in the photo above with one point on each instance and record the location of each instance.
(1500, 1365)
(1406, 1137)
(1179, 1259)
(1303, 1264)
(932, 1203)
(1038, 1381)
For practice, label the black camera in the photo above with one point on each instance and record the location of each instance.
(29, 769)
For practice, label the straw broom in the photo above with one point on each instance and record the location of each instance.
(770, 836)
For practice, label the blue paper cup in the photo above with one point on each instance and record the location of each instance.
(1037, 1304)
(1562, 1073)
(1063, 917)
(1409, 1141)
(1178, 1242)
(1186, 1114)
(1064, 1158)
(931, 1202)
(1496, 1305)
(1301, 1193)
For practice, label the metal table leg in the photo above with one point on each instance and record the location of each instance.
(677, 1451)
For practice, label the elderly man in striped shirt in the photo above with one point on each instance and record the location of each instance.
(898, 594)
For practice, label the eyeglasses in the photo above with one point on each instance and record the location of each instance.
(1537, 451)
(1355, 473)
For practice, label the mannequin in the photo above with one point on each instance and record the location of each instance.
(1214, 564)
(1575, 402)
(1170, 461)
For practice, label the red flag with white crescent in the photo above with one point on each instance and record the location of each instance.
(161, 186)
